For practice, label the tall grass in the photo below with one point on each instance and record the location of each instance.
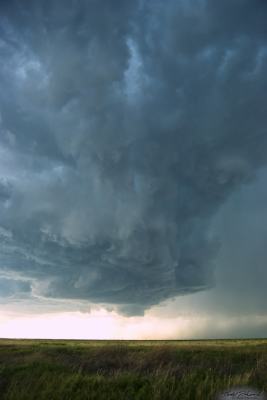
(64, 370)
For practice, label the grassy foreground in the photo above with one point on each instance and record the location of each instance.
(80, 370)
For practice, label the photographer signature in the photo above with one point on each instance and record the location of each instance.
(242, 393)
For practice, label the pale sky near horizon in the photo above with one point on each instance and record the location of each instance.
(133, 169)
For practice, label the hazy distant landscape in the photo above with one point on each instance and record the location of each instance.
(71, 369)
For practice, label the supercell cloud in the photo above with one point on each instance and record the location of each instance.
(125, 126)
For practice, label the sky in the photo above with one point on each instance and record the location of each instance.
(133, 169)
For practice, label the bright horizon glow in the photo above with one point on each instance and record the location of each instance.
(101, 325)
(98, 325)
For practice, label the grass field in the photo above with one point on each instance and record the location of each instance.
(184, 370)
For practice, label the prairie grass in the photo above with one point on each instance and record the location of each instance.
(185, 370)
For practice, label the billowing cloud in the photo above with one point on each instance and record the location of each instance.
(125, 126)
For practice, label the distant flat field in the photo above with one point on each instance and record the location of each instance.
(33, 369)
(216, 342)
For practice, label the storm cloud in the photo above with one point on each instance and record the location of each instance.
(125, 127)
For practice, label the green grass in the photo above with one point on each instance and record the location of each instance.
(187, 370)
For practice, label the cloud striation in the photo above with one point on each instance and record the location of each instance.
(125, 126)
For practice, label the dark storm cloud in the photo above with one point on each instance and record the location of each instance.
(125, 126)
(9, 287)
